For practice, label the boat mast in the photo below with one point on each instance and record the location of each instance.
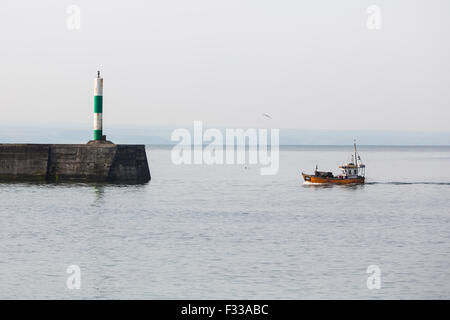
(356, 158)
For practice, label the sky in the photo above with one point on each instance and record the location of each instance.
(308, 64)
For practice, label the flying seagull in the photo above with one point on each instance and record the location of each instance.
(266, 115)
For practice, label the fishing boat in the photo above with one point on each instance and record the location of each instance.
(352, 173)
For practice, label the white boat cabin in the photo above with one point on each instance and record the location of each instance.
(352, 170)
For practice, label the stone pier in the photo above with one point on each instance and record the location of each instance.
(102, 162)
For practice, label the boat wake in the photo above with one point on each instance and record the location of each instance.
(411, 183)
(396, 183)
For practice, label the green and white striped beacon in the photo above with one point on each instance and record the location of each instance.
(98, 107)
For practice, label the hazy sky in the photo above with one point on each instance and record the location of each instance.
(309, 64)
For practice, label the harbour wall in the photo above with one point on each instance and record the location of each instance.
(74, 162)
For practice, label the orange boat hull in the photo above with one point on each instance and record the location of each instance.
(334, 180)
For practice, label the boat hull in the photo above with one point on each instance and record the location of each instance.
(334, 180)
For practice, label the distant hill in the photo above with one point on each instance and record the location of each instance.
(161, 136)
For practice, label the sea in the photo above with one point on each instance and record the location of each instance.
(228, 232)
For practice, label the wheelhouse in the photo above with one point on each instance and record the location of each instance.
(353, 170)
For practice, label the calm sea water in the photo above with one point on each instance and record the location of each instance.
(227, 232)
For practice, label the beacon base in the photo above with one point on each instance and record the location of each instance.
(99, 162)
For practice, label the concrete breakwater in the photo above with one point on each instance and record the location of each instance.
(114, 163)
